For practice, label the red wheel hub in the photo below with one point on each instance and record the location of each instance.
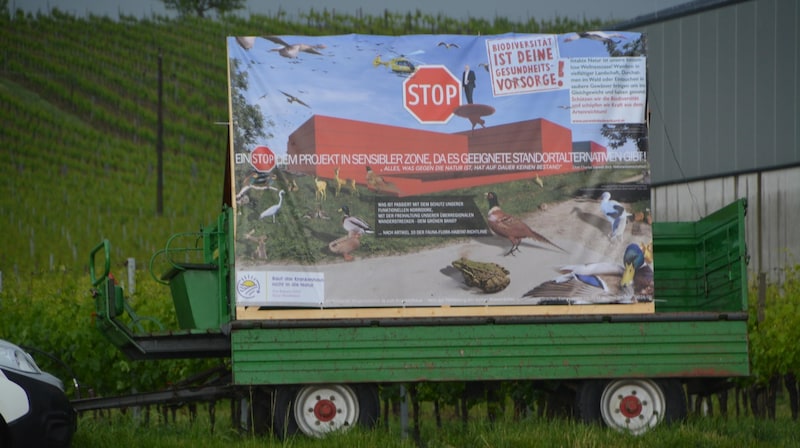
(324, 410)
(630, 406)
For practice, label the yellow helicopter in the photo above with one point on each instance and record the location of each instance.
(399, 64)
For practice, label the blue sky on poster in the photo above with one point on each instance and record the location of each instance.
(377, 78)
(343, 82)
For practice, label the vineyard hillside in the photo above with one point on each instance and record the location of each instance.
(80, 123)
(78, 162)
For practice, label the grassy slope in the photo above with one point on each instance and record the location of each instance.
(74, 170)
(79, 109)
(78, 103)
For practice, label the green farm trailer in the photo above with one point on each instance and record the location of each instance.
(371, 227)
(323, 372)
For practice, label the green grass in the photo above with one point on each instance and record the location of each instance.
(78, 101)
(530, 432)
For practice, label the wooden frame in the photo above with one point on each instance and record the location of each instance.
(255, 313)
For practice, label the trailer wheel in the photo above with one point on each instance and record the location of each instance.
(560, 402)
(369, 405)
(320, 409)
(283, 421)
(260, 406)
(317, 410)
(631, 405)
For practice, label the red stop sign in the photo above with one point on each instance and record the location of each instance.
(431, 94)
(262, 159)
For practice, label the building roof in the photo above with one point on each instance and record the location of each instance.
(674, 12)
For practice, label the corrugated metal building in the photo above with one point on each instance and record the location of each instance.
(724, 122)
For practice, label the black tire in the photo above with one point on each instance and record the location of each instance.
(5, 436)
(369, 404)
(560, 402)
(283, 423)
(260, 411)
(4, 442)
(677, 407)
(587, 401)
(631, 405)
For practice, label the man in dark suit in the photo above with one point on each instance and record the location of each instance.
(468, 81)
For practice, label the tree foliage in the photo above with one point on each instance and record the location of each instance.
(249, 119)
(774, 329)
(201, 7)
(619, 134)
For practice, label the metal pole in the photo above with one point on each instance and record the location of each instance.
(131, 276)
(403, 412)
(160, 141)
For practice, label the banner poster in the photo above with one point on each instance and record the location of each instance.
(440, 170)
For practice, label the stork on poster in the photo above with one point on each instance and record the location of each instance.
(440, 170)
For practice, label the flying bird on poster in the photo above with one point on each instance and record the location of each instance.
(293, 50)
(293, 99)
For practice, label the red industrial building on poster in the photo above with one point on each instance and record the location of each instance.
(391, 149)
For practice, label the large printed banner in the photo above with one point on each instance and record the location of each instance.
(440, 170)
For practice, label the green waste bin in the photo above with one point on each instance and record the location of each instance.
(194, 292)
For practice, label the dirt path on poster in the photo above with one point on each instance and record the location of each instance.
(428, 277)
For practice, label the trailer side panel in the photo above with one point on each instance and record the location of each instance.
(490, 352)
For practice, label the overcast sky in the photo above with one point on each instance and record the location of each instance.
(516, 10)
